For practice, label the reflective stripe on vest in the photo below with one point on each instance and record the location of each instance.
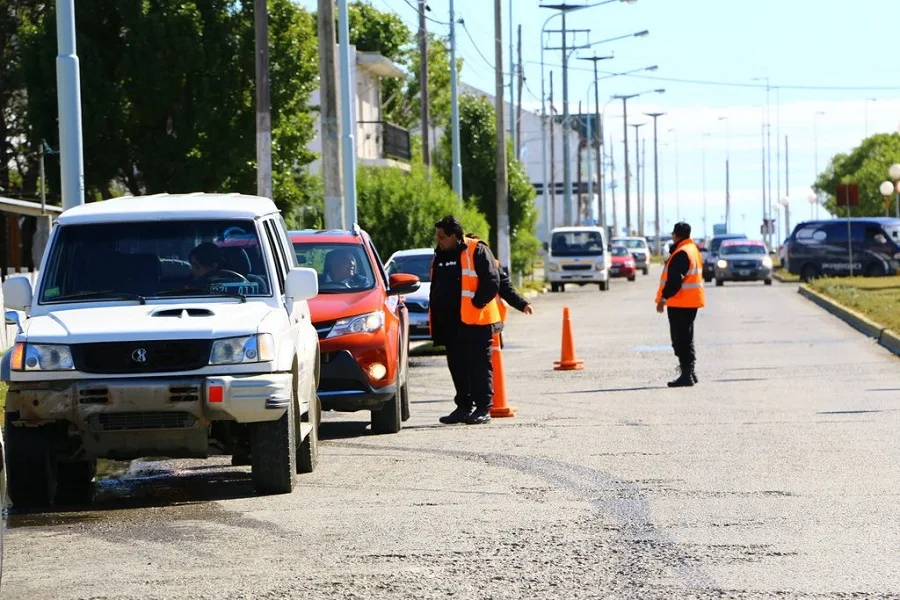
(469, 313)
(691, 294)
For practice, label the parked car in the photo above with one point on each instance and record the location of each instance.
(639, 249)
(711, 253)
(743, 260)
(138, 341)
(622, 263)
(363, 327)
(415, 262)
(577, 255)
(871, 247)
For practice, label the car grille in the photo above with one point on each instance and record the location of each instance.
(744, 264)
(142, 357)
(576, 267)
(130, 421)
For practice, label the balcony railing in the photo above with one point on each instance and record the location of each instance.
(392, 141)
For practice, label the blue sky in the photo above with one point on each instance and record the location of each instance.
(837, 58)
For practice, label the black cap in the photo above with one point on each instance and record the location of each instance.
(682, 229)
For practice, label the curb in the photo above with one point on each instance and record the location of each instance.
(881, 334)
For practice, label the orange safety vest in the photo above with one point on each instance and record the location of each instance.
(691, 294)
(470, 314)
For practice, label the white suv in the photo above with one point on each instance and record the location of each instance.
(168, 325)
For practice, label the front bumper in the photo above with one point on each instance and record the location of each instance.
(124, 418)
(584, 276)
(344, 387)
(418, 326)
(743, 274)
(618, 271)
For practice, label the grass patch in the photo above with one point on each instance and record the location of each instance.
(656, 259)
(878, 298)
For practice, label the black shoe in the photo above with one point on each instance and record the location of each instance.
(460, 415)
(479, 417)
(683, 380)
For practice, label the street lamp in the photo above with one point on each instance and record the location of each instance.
(894, 172)
(625, 100)
(887, 190)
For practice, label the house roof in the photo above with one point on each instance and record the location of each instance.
(24, 207)
(380, 65)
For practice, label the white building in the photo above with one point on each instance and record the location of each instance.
(378, 142)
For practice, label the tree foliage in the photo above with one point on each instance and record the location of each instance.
(867, 166)
(168, 95)
(478, 147)
(399, 209)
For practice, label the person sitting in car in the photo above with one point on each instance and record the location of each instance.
(206, 261)
(340, 269)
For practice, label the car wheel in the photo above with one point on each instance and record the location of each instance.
(604, 286)
(554, 287)
(767, 281)
(273, 453)
(720, 282)
(647, 270)
(389, 418)
(808, 273)
(707, 278)
(32, 470)
(404, 390)
(562, 287)
(875, 270)
(308, 451)
(75, 482)
(632, 278)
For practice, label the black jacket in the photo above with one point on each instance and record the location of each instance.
(678, 268)
(446, 290)
(509, 293)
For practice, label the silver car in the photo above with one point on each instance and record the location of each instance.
(743, 260)
(415, 262)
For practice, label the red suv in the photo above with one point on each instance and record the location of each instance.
(362, 323)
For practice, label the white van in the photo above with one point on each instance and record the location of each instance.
(577, 255)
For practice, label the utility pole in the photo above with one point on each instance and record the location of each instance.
(263, 110)
(454, 109)
(612, 189)
(578, 195)
(787, 191)
(68, 90)
(512, 78)
(503, 249)
(655, 116)
(521, 74)
(599, 136)
(643, 196)
(637, 177)
(329, 114)
(677, 184)
(348, 118)
(423, 83)
(552, 216)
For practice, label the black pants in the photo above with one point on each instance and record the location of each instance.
(469, 360)
(681, 328)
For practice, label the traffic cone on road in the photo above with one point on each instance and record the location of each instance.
(499, 408)
(567, 361)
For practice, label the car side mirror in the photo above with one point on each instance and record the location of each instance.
(302, 284)
(17, 293)
(402, 283)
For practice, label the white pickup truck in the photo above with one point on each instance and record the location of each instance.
(166, 325)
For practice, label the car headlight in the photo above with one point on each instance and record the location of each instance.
(244, 349)
(722, 264)
(767, 262)
(366, 323)
(41, 357)
(598, 266)
(554, 266)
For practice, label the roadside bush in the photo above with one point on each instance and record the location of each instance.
(399, 209)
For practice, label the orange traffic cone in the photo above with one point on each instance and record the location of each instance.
(567, 362)
(499, 408)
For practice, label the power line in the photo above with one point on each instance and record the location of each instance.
(483, 57)
(416, 8)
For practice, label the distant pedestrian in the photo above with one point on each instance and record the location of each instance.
(681, 292)
(464, 313)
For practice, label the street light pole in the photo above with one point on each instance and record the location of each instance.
(703, 170)
(656, 180)
(454, 112)
(637, 176)
(348, 117)
(503, 242)
(68, 91)
(599, 136)
(727, 174)
(816, 150)
(677, 184)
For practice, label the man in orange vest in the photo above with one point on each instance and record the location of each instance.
(464, 313)
(681, 292)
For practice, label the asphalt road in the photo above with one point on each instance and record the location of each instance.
(776, 476)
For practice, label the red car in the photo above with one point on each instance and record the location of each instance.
(622, 263)
(363, 326)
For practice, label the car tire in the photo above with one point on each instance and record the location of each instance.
(31, 464)
(389, 419)
(604, 286)
(554, 287)
(273, 453)
(808, 272)
(308, 450)
(404, 390)
(767, 281)
(875, 270)
(632, 278)
(647, 270)
(75, 482)
(720, 282)
(707, 279)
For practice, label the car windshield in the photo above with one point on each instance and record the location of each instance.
(342, 268)
(620, 251)
(893, 232)
(418, 265)
(103, 261)
(732, 249)
(577, 243)
(633, 244)
(716, 243)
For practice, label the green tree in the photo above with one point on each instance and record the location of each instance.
(399, 209)
(478, 145)
(867, 166)
(168, 99)
(372, 30)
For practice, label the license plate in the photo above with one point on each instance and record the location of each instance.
(744, 273)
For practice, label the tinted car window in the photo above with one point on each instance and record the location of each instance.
(418, 265)
(715, 243)
(341, 267)
(577, 243)
(732, 249)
